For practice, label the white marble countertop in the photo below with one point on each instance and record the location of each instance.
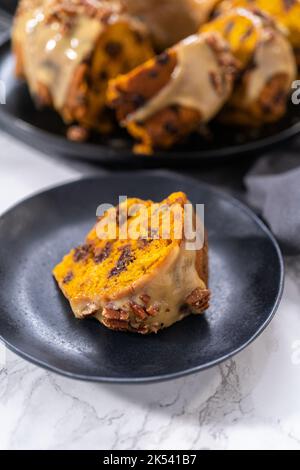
(250, 402)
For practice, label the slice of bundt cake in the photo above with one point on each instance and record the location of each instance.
(67, 50)
(267, 66)
(138, 276)
(285, 12)
(168, 97)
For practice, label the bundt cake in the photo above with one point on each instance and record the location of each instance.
(170, 21)
(168, 97)
(135, 275)
(67, 50)
(267, 66)
(285, 12)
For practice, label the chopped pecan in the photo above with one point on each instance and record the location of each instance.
(138, 310)
(155, 327)
(153, 310)
(198, 300)
(143, 330)
(111, 314)
(113, 49)
(43, 96)
(145, 298)
(116, 324)
(77, 134)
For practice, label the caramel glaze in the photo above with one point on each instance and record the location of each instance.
(169, 21)
(198, 81)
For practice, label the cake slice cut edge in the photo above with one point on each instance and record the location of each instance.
(139, 284)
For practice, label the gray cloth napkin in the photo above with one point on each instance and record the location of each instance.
(273, 189)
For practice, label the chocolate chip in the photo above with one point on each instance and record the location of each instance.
(153, 73)
(143, 243)
(81, 253)
(68, 278)
(103, 254)
(124, 260)
(228, 28)
(113, 49)
(288, 4)
(103, 75)
(138, 36)
(138, 100)
(279, 98)
(247, 34)
(174, 108)
(267, 108)
(170, 128)
(163, 58)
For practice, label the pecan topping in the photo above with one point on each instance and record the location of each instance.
(153, 310)
(199, 299)
(77, 134)
(116, 324)
(138, 36)
(145, 298)
(112, 314)
(103, 75)
(138, 310)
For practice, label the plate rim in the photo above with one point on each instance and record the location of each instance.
(175, 375)
(24, 131)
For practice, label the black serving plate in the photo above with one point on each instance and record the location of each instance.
(44, 130)
(36, 322)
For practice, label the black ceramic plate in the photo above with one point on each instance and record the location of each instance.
(45, 131)
(36, 321)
